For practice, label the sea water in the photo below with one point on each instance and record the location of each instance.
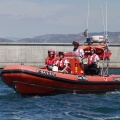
(59, 107)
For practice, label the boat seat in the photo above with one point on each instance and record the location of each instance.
(76, 68)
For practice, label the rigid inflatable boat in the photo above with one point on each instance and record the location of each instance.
(31, 80)
(28, 80)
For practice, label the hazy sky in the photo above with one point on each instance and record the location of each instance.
(29, 18)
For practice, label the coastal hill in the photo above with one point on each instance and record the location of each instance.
(5, 40)
(114, 37)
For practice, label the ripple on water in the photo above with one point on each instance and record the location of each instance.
(59, 107)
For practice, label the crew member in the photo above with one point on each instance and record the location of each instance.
(92, 63)
(50, 60)
(63, 64)
(79, 51)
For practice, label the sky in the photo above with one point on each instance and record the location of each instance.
(30, 18)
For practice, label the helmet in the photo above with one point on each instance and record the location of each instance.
(61, 53)
(51, 50)
(76, 43)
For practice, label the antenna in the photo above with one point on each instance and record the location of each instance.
(106, 22)
(88, 18)
(105, 72)
(103, 20)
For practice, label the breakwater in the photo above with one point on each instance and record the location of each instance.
(34, 54)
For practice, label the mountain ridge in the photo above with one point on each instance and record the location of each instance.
(114, 37)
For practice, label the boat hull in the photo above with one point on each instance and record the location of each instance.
(31, 80)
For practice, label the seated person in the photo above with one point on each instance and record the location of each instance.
(50, 60)
(92, 67)
(63, 64)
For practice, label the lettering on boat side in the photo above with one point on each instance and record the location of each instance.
(82, 78)
(116, 78)
(46, 72)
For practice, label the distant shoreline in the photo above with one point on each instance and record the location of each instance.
(62, 38)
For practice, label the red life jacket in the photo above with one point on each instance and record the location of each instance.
(89, 59)
(61, 65)
(50, 60)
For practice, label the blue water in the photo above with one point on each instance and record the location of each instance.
(59, 107)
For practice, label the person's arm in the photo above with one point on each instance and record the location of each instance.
(81, 56)
(56, 62)
(66, 65)
(98, 61)
(45, 65)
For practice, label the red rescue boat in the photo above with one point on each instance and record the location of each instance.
(32, 80)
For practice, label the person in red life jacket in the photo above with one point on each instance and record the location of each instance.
(78, 51)
(63, 64)
(50, 60)
(92, 63)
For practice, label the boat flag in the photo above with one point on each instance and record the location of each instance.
(85, 33)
